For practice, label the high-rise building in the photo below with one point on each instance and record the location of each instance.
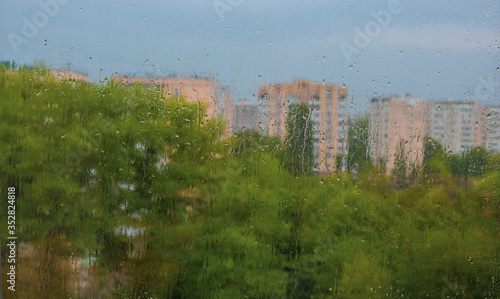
(398, 126)
(245, 116)
(493, 129)
(328, 109)
(458, 126)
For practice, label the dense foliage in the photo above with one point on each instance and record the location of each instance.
(299, 140)
(125, 193)
(471, 162)
(358, 153)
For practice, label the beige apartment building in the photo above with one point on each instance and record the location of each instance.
(245, 116)
(328, 113)
(458, 126)
(398, 124)
(493, 129)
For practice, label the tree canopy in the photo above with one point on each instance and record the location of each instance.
(123, 192)
(299, 155)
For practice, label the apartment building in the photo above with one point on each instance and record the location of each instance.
(245, 116)
(398, 125)
(493, 129)
(458, 125)
(328, 114)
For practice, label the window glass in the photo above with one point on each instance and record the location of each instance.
(249, 149)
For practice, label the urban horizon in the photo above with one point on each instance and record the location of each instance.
(476, 129)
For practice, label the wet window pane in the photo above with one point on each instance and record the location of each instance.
(249, 149)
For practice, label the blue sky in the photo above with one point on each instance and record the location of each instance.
(431, 49)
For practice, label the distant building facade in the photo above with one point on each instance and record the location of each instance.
(458, 126)
(493, 129)
(245, 116)
(398, 125)
(328, 108)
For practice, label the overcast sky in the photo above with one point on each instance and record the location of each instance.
(431, 49)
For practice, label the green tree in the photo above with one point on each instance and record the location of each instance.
(7, 64)
(400, 170)
(475, 161)
(358, 157)
(90, 161)
(299, 157)
(436, 160)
